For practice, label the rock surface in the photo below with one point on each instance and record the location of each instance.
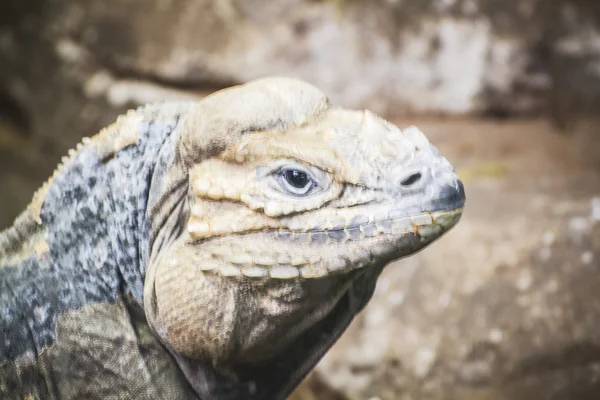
(449, 56)
(507, 306)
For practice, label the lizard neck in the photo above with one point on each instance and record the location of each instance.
(277, 377)
(94, 239)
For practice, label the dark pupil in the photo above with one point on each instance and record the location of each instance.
(297, 179)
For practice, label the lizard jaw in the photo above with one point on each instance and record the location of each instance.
(370, 242)
(284, 278)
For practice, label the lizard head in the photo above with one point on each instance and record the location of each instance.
(288, 202)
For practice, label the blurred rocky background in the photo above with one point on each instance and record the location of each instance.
(507, 306)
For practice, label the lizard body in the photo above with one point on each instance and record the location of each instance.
(213, 249)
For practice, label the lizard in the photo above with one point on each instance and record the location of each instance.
(213, 249)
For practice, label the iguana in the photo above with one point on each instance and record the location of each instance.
(212, 249)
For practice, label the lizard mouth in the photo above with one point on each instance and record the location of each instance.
(333, 251)
(424, 225)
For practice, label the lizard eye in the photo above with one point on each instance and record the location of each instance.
(296, 181)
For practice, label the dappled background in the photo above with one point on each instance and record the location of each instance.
(507, 306)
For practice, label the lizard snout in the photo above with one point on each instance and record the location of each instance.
(450, 197)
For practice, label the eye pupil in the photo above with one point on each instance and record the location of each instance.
(297, 179)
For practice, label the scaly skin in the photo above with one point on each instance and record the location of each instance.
(214, 249)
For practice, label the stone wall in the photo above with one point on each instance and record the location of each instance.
(71, 66)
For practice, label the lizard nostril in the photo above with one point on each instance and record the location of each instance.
(411, 180)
